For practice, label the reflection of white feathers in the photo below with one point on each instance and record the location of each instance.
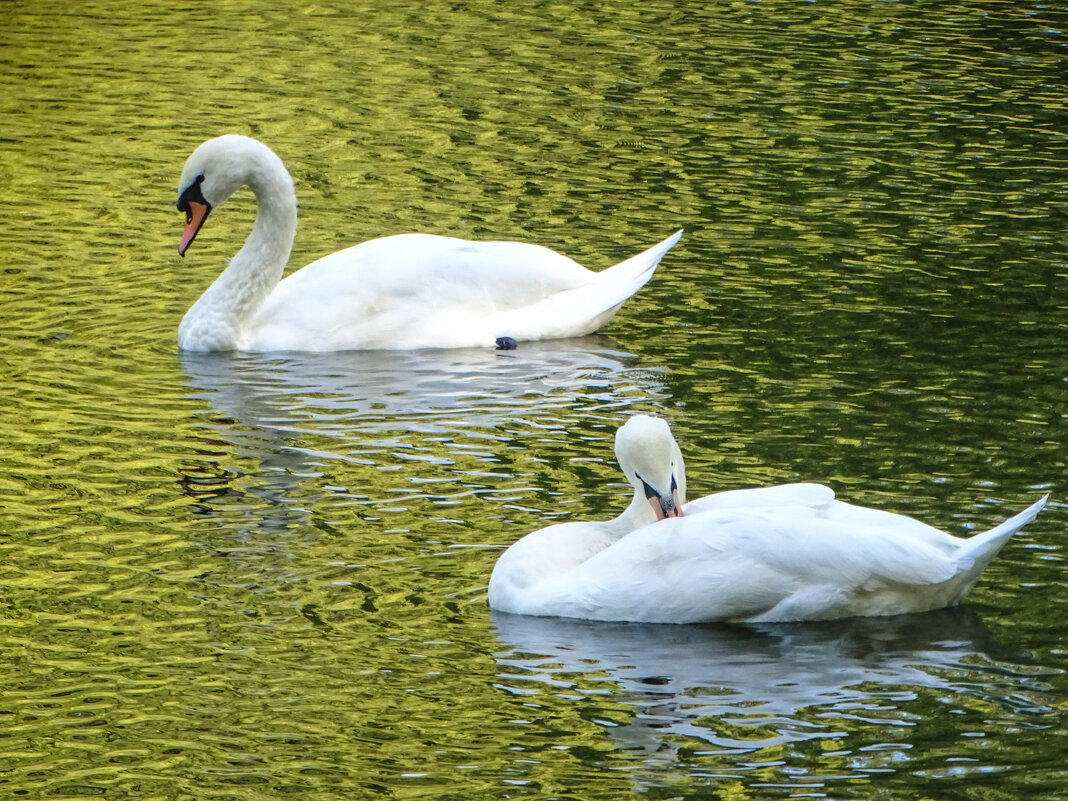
(398, 292)
(764, 555)
(296, 416)
(770, 683)
(426, 392)
(291, 445)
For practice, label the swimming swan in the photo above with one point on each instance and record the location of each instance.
(397, 292)
(773, 554)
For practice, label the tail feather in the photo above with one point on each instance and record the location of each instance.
(577, 312)
(978, 551)
(622, 280)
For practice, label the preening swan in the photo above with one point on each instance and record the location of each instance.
(772, 554)
(398, 292)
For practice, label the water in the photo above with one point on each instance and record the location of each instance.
(246, 577)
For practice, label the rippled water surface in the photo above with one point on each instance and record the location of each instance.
(248, 577)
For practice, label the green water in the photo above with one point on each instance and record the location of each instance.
(239, 577)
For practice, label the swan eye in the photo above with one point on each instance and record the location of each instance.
(191, 192)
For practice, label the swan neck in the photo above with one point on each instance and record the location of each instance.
(220, 319)
(639, 513)
(262, 259)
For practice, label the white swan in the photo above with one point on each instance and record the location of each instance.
(774, 554)
(397, 292)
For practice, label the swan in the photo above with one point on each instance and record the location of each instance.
(397, 292)
(770, 554)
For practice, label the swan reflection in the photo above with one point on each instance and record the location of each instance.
(421, 391)
(373, 428)
(738, 689)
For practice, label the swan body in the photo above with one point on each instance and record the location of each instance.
(772, 554)
(398, 292)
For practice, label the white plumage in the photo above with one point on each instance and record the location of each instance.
(773, 554)
(398, 292)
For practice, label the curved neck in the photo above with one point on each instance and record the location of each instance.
(219, 319)
(640, 511)
(638, 514)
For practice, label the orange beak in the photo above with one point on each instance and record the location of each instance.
(194, 218)
(674, 508)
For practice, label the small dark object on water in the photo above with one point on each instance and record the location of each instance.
(506, 343)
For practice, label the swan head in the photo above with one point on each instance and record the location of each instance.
(216, 170)
(650, 458)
